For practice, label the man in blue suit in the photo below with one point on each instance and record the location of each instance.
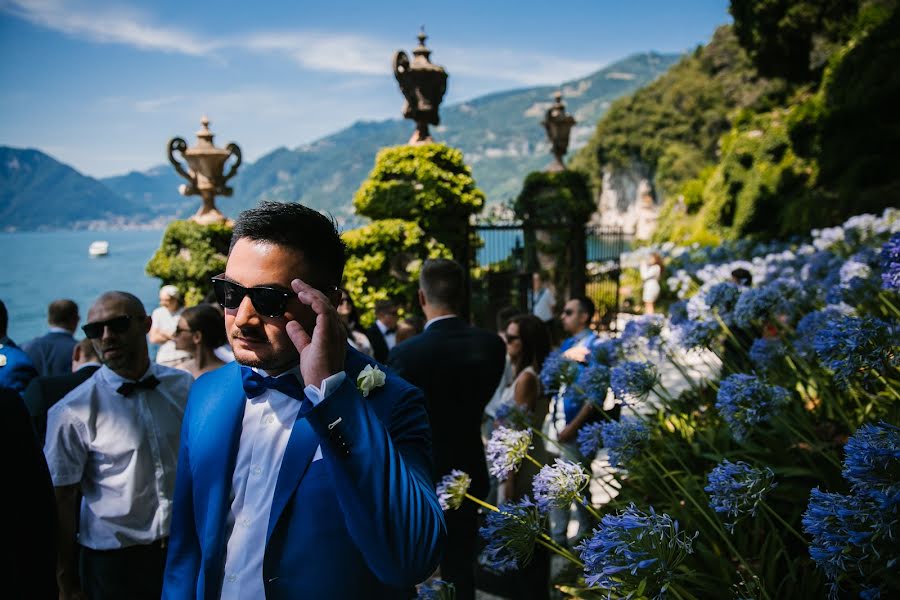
(302, 472)
(51, 353)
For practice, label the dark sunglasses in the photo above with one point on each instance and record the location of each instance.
(512, 338)
(267, 301)
(569, 312)
(94, 330)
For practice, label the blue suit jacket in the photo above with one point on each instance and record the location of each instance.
(362, 522)
(51, 353)
(18, 370)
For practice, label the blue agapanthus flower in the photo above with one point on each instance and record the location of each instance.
(506, 450)
(557, 371)
(852, 540)
(872, 463)
(560, 484)
(633, 548)
(624, 439)
(591, 385)
(513, 415)
(436, 589)
(678, 312)
(889, 261)
(605, 352)
(744, 401)
(589, 439)
(698, 334)
(643, 331)
(736, 489)
(767, 303)
(857, 349)
(767, 354)
(511, 533)
(451, 491)
(722, 298)
(633, 380)
(807, 328)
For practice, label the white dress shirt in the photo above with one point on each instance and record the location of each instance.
(123, 451)
(389, 338)
(265, 430)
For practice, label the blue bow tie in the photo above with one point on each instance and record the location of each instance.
(255, 384)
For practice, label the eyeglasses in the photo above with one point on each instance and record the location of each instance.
(569, 312)
(512, 338)
(179, 331)
(94, 330)
(267, 301)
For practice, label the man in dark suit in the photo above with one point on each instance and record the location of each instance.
(44, 392)
(458, 367)
(51, 353)
(383, 333)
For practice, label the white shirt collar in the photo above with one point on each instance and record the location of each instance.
(55, 329)
(441, 318)
(90, 363)
(115, 380)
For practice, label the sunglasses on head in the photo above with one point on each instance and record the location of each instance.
(94, 330)
(267, 301)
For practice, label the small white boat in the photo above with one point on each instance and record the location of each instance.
(99, 248)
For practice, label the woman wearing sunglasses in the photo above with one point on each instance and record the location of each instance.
(201, 329)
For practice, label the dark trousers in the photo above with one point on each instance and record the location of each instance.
(458, 566)
(132, 573)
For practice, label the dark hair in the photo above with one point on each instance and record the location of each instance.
(62, 312)
(742, 276)
(443, 283)
(4, 319)
(299, 228)
(383, 306)
(534, 339)
(353, 317)
(505, 315)
(587, 306)
(209, 322)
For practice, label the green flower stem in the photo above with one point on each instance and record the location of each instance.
(534, 462)
(884, 299)
(886, 384)
(481, 502)
(712, 521)
(590, 509)
(785, 524)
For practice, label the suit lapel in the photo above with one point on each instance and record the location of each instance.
(300, 450)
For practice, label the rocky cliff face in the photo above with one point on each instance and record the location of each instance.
(627, 200)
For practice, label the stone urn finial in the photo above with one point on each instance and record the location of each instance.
(206, 165)
(558, 124)
(423, 85)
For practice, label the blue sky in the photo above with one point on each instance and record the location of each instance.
(102, 86)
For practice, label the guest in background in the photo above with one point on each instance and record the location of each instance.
(29, 569)
(224, 352)
(16, 369)
(165, 321)
(43, 392)
(504, 316)
(383, 333)
(458, 367)
(527, 345)
(651, 273)
(543, 303)
(201, 329)
(51, 353)
(356, 337)
(409, 327)
(742, 277)
(113, 443)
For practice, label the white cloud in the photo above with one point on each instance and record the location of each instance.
(312, 50)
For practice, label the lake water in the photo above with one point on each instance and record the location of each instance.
(39, 267)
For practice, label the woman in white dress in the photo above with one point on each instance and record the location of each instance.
(651, 273)
(165, 321)
(527, 345)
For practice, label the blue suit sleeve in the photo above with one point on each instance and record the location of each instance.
(183, 559)
(382, 477)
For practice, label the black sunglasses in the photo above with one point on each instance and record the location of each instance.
(94, 330)
(267, 301)
(512, 338)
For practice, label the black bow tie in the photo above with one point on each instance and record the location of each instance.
(148, 383)
(255, 384)
(390, 331)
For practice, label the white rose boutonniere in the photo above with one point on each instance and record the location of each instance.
(369, 379)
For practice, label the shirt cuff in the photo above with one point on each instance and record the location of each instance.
(329, 385)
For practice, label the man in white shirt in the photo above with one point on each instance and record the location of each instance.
(113, 441)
